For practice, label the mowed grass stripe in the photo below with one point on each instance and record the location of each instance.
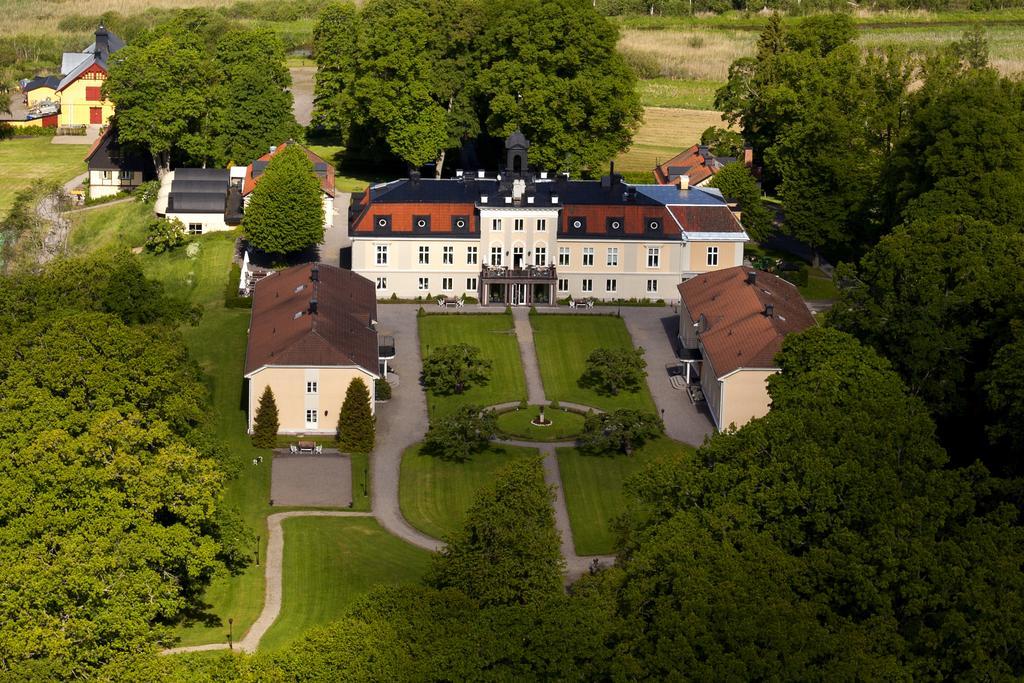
(594, 495)
(494, 335)
(563, 343)
(331, 562)
(26, 160)
(434, 494)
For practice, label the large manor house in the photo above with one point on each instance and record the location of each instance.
(529, 237)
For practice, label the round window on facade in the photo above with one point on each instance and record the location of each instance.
(577, 224)
(460, 223)
(421, 223)
(653, 225)
(616, 225)
(382, 222)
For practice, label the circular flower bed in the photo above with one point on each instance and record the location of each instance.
(519, 424)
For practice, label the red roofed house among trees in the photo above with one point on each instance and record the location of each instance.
(311, 333)
(737, 318)
(324, 172)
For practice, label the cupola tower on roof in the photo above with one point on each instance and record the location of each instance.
(516, 146)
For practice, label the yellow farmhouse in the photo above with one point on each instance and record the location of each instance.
(311, 333)
(81, 101)
(734, 320)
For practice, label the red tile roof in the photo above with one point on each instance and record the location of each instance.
(326, 180)
(736, 332)
(284, 331)
(634, 219)
(706, 219)
(402, 217)
(690, 159)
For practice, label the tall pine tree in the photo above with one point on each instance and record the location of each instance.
(265, 426)
(355, 421)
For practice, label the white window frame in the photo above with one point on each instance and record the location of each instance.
(712, 256)
(471, 256)
(312, 413)
(124, 174)
(540, 255)
(446, 284)
(108, 175)
(496, 224)
(311, 386)
(423, 284)
(382, 254)
(563, 284)
(613, 257)
(587, 285)
(654, 257)
(448, 255)
(652, 286)
(542, 224)
(424, 255)
(470, 284)
(611, 285)
(518, 225)
(496, 256)
(195, 228)
(588, 256)
(382, 283)
(563, 256)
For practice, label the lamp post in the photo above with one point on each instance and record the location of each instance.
(257, 551)
(231, 628)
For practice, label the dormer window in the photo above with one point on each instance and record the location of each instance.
(652, 224)
(382, 224)
(614, 224)
(421, 223)
(460, 223)
(577, 223)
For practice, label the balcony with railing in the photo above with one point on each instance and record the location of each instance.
(524, 273)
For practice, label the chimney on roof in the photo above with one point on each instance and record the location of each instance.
(769, 310)
(273, 148)
(458, 173)
(102, 42)
(314, 274)
(414, 176)
(312, 306)
(631, 193)
(751, 277)
(684, 181)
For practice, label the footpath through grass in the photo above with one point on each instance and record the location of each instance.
(434, 494)
(593, 487)
(563, 343)
(494, 335)
(25, 160)
(331, 562)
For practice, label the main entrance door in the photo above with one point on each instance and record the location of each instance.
(519, 294)
(95, 114)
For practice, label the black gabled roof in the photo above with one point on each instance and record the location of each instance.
(42, 82)
(107, 154)
(198, 186)
(209, 174)
(196, 202)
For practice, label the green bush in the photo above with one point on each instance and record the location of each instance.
(165, 235)
(799, 275)
(382, 389)
(146, 192)
(644, 64)
(32, 132)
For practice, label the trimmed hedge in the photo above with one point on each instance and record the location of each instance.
(231, 298)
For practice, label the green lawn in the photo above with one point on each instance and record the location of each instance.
(819, 286)
(494, 335)
(671, 92)
(329, 563)
(563, 343)
(121, 225)
(517, 424)
(593, 490)
(434, 494)
(25, 160)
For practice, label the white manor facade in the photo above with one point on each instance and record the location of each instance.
(526, 238)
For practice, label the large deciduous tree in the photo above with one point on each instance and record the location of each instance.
(336, 47)
(458, 436)
(161, 91)
(738, 185)
(286, 212)
(453, 368)
(551, 69)
(355, 420)
(620, 431)
(609, 371)
(507, 551)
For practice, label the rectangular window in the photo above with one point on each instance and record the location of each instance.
(653, 257)
(195, 228)
(471, 256)
(712, 256)
(424, 254)
(107, 175)
(518, 224)
(563, 284)
(540, 256)
(311, 417)
(613, 256)
(610, 285)
(495, 256)
(446, 284)
(423, 284)
(563, 256)
(542, 224)
(652, 286)
(124, 175)
(470, 284)
(92, 93)
(382, 254)
(448, 255)
(588, 256)
(382, 283)
(588, 285)
(496, 224)
(310, 387)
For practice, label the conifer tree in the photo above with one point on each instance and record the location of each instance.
(265, 426)
(355, 421)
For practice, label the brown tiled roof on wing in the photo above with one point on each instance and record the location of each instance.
(323, 170)
(737, 332)
(285, 330)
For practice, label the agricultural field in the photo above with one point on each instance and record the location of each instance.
(663, 134)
